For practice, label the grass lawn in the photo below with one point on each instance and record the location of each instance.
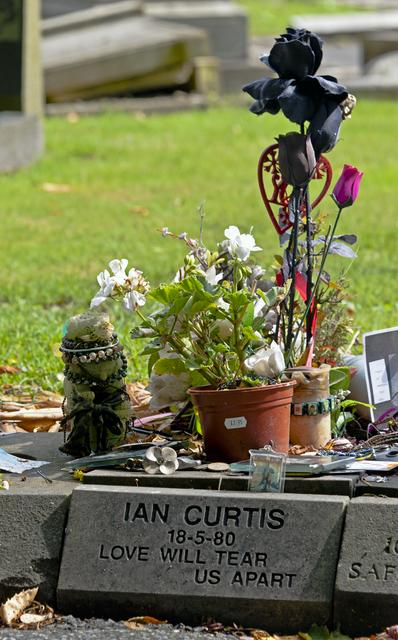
(129, 176)
(272, 17)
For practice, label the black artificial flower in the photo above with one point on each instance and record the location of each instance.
(297, 159)
(325, 126)
(295, 57)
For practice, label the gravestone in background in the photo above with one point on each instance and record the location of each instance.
(185, 555)
(21, 93)
(366, 599)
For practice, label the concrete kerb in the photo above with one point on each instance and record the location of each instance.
(34, 515)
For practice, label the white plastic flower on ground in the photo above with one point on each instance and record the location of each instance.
(240, 245)
(160, 460)
(267, 363)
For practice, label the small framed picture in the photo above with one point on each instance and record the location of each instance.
(267, 471)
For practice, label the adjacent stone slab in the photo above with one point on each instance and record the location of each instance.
(366, 598)
(31, 533)
(225, 23)
(343, 485)
(254, 559)
(122, 55)
(349, 24)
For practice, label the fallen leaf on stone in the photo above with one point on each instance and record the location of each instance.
(33, 420)
(138, 622)
(12, 608)
(32, 618)
(52, 187)
(8, 427)
(393, 631)
(36, 616)
(299, 450)
(258, 634)
(6, 368)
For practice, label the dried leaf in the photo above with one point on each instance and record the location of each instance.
(36, 616)
(258, 634)
(32, 618)
(138, 622)
(12, 608)
(140, 210)
(52, 187)
(6, 368)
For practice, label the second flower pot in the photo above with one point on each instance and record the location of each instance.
(236, 420)
(310, 421)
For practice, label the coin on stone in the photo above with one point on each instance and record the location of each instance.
(218, 467)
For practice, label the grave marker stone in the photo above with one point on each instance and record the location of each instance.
(366, 598)
(253, 559)
(21, 88)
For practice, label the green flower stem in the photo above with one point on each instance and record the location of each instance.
(328, 241)
(292, 293)
(310, 264)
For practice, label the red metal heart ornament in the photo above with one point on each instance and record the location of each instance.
(276, 193)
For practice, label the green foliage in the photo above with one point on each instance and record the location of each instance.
(339, 379)
(322, 633)
(204, 321)
(130, 176)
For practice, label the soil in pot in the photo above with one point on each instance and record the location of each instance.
(236, 420)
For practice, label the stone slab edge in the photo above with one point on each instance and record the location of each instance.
(32, 528)
(366, 594)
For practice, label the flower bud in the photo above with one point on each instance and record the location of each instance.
(346, 188)
(297, 160)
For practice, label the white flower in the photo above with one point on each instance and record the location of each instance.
(221, 304)
(132, 300)
(107, 284)
(258, 307)
(165, 232)
(224, 328)
(267, 363)
(167, 388)
(240, 245)
(131, 287)
(212, 277)
(118, 268)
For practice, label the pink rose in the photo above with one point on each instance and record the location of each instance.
(347, 186)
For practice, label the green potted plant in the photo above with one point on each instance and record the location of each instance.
(212, 331)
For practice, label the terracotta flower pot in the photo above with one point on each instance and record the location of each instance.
(236, 420)
(311, 391)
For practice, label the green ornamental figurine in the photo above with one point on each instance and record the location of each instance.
(97, 405)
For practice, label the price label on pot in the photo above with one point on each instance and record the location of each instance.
(235, 423)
